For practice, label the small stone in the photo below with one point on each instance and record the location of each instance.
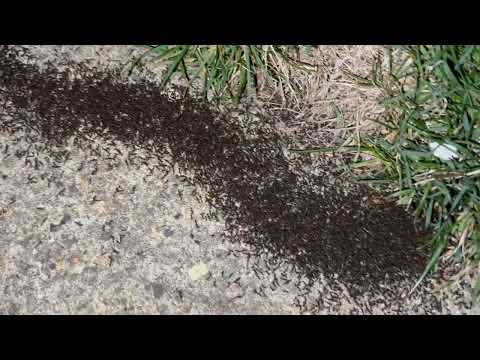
(66, 218)
(158, 290)
(197, 271)
(177, 216)
(60, 265)
(75, 259)
(100, 208)
(83, 180)
(13, 309)
(104, 260)
(179, 295)
(156, 233)
(168, 232)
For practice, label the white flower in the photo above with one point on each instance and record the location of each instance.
(444, 152)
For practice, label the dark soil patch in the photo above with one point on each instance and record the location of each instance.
(278, 209)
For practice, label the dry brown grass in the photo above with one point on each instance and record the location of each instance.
(335, 107)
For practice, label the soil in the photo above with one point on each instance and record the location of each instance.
(267, 200)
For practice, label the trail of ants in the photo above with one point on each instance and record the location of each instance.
(265, 203)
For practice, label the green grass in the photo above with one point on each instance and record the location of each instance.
(433, 95)
(440, 104)
(228, 72)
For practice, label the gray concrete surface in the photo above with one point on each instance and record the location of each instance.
(124, 239)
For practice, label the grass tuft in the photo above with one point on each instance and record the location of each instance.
(432, 156)
(228, 72)
(429, 154)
